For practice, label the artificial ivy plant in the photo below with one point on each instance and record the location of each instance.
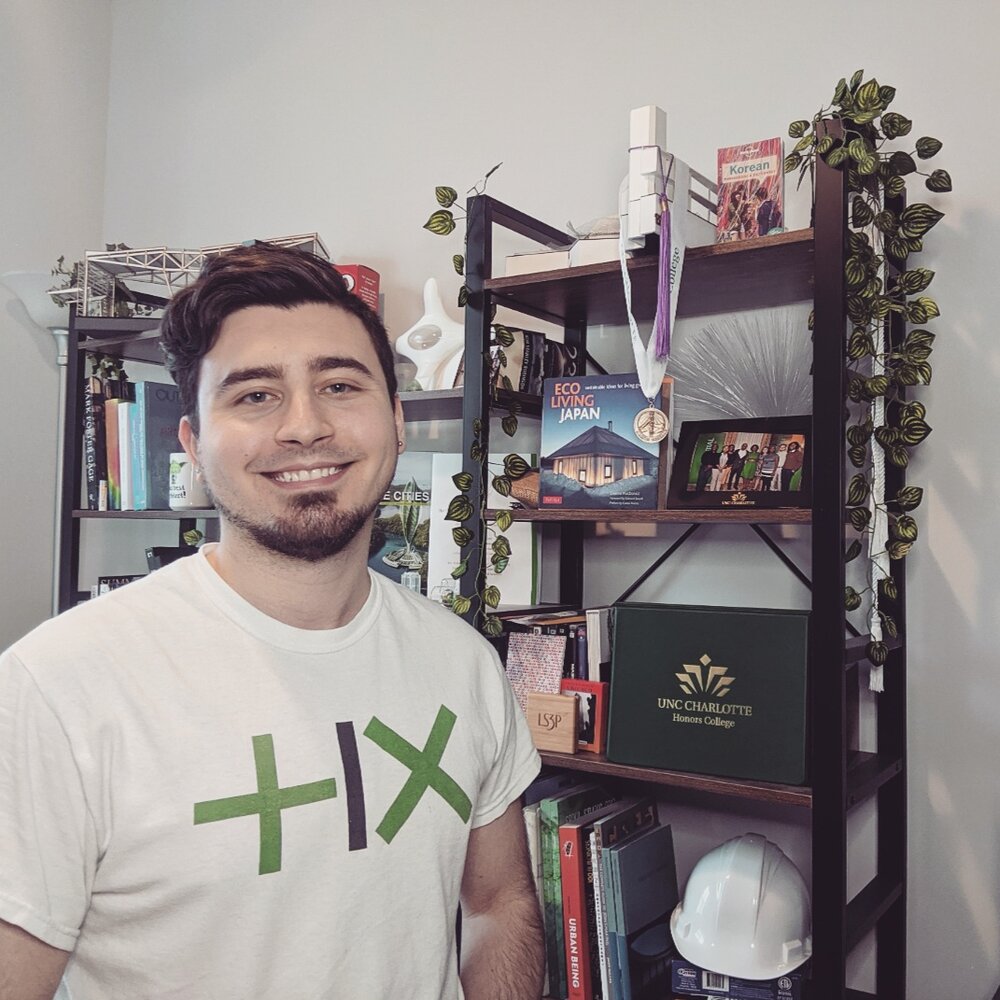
(884, 233)
(443, 222)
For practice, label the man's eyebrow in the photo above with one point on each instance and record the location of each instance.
(332, 362)
(241, 375)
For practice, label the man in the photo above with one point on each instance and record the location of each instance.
(763, 206)
(708, 467)
(262, 771)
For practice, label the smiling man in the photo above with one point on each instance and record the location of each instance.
(263, 771)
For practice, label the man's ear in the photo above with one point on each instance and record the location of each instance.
(188, 438)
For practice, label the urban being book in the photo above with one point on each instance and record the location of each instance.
(751, 190)
(592, 457)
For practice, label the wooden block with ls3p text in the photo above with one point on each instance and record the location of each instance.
(552, 719)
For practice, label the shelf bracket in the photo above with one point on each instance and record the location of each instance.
(660, 560)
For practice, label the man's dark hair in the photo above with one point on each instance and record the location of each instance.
(260, 274)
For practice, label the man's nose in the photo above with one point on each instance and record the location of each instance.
(304, 419)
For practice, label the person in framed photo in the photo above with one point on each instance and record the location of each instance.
(707, 466)
(782, 454)
(748, 474)
(767, 468)
(793, 463)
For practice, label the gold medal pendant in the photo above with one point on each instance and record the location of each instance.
(651, 425)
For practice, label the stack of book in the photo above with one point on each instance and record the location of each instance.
(607, 881)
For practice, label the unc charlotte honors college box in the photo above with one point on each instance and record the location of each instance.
(718, 691)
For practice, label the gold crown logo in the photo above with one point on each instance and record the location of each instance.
(695, 681)
(739, 497)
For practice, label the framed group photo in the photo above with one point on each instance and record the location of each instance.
(733, 462)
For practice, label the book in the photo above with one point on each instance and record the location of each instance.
(534, 663)
(401, 532)
(591, 455)
(710, 690)
(630, 817)
(125, 409)
(536, 261)
(751, 190)
(598, 644)
(593, 698)
(111, 428)
(519, 367)
(105, 584)
(562, 360)
(554, 812)
(579, 916)
(155, 419)
(518, 582)
(644, 890)
(95, 455)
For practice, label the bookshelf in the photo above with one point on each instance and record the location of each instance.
(803, 265)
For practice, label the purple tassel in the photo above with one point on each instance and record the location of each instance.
(662, 328)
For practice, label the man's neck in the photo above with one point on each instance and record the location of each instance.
(308, 595)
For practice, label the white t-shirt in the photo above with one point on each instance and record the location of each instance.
(202, 802)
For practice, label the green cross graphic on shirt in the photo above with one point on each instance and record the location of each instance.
(425, 772)
(267, 803)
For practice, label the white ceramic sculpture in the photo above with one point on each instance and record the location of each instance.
(434, 343)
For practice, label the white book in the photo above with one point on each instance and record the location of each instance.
(598, 642)
(125, 409)
(541, 260)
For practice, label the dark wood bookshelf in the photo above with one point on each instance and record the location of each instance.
(796, 515)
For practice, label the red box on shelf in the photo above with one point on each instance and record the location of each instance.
(361, 281)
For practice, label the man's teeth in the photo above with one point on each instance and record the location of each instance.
(302, 475)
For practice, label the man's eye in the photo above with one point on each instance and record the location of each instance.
(259, 396)
(339, 388)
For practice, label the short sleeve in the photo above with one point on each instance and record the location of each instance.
(516, 762)
(48, 845)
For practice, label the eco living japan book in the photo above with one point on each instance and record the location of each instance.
(592, 456)
(751, 190)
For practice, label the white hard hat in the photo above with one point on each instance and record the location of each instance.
(745, 911)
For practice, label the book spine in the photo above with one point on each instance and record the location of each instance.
(619, 943)
(611, 925)
(125, 408)
(600, 928)
(551, 893)
(111, 428)
(577, 954)
(139, 449)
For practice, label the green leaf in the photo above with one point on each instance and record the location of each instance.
(887, 436)
(894, 186)
(860, 345)
(898, 549)
(459, 509)
(836, 157)
(492, 626)
(463, 296)
(904, 528)
(515, 467)
(803, 144)
(897, 248)
(853, 551)
(858, 454)
(877, 653)
(446, 196)
(895, 125)
(491, 596)
(504, 337)
(504, 519)
(928, 147)
(915, 220)
(499, 563)
(921, 309)
(868, 97)
(859, 517)
(888, 587)
(915, 281)
(918, 338)
(463, 480)
(901, 163)
(500, 546)
(855, 271)
(909, 497)
(886, 95)
(460, 570)
(869, 165)
(798, 129)
(939, 180)
(852, 599)
(877, 385)
(899, 456)
(861, 214)
(858, 434)
(905, 375)
(924, 371)
(886, 222)
(856, 80)
(502, 485)
(441, 223)
(889, 624)
(461, 536)
(840, 92)
(458, 262)
(914, 409)
(509, 425)
(857, 490)
(914, 431)
(792, 161)
(859, 149)
(914, 245)
(461, 605)
(825, 144)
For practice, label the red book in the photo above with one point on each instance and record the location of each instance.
(579, 917)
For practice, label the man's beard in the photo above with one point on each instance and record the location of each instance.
(315, 529)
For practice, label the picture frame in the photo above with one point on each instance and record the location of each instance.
(698, 481)
(593, 712)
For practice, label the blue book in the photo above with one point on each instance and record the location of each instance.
(152, 437)
(644, 889)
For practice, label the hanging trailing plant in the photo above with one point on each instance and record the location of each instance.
(461, 509)
(882, 282)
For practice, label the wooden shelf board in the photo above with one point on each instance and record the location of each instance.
(446, 404)
(868, 772)
(196, 513)
(786, 516)
(760, 791)
(760, 273)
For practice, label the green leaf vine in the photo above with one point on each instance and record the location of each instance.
(882, 282)
(443, 222)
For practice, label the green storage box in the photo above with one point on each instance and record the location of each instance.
(718, 691)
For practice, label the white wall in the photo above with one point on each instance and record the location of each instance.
(231, 119)
(54, 66)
